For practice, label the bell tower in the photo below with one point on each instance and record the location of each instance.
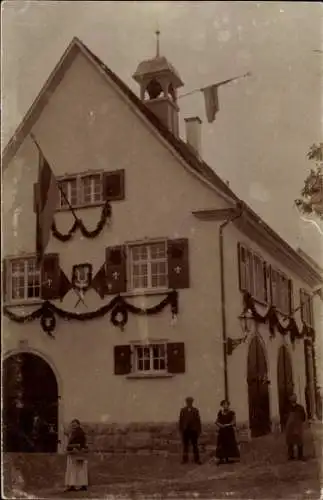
(159, 82)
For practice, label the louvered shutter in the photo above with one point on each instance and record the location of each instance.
(50, 277)
(302, 299)
(264, 265)
(178, 263)
(122, 359)
(176, 357)
(4, 281)
(114, 185)
(116, 270)
(290, 297)
(99, 281)
(242, 256)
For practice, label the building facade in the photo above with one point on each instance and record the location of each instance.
(160, 283)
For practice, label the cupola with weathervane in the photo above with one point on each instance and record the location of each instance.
(159, 81)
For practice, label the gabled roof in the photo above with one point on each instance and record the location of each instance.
(183, 150)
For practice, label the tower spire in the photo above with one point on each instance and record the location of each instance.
(157, 33)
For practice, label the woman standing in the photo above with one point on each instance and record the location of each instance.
(76, 475)
(227, 447)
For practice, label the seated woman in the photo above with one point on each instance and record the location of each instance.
(76, 475)
(227, 447)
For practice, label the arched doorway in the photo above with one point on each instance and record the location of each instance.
(258, 390)
(285, 383)
(30, 404)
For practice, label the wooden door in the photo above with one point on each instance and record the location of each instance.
(285, 383)
(258, 389)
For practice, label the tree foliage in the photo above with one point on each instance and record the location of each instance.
(311, 201)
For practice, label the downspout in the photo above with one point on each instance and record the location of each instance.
(223, 303)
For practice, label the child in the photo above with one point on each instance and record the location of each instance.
(76, 475)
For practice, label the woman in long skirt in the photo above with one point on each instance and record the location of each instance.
(76, 476)
(227, 447)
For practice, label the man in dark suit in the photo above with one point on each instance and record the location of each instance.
(295, 429)
(190, 429)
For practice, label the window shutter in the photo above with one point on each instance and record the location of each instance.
(114, 185)
(4, 280)
(301, 298)
(240, 267)
(122, 359)
(50, 277)
(290, 297)
(35, 196)
(264, 266)
(99, 281)
(176, 357)
(116, 270)
(178, 263)
(271, 286)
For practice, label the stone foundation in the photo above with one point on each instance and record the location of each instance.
(150, 437)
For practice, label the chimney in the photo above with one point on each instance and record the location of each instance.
(193, 133)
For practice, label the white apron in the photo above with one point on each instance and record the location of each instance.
(76, 472)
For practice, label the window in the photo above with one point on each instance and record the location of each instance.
(252, 273)
(148, 266)
(24, 279)
(149, 358)
(82, 190)
(306, 304)
(280, 291)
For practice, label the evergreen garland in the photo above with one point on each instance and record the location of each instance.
(78, 224)
(271, 317)
(118, 306)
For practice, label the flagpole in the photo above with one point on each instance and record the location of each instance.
(219, 84)
(58, 184)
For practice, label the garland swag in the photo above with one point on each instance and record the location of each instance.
(274, 323)
(78, 224)
(118, 306)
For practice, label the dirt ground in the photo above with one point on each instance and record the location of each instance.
(161, 477)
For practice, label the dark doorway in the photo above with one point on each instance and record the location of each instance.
(30, 405)
(258, 390)
(285, 383)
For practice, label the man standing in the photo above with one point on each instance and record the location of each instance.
(295, 428)
(190, 429)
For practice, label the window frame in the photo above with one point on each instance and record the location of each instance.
(281, 275)
(149, 261)
(9, 299)
(79, 190)
(304, 294)
(250, 275)
(151, 343)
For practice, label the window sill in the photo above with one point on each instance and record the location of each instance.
(23, 303)
(77, 207)
(149, 375)
(258, 301)
(143, 293)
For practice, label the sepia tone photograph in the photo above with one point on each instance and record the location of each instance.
(162, 249)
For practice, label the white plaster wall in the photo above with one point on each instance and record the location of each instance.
(85, 126)
(238, 361)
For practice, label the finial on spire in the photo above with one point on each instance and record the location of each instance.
(157, 33)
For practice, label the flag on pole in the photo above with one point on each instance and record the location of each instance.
(211, 97)
(211, 100)
(46, 203)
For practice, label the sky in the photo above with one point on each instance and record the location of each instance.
(266, 123)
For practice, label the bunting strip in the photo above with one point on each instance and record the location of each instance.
(118, 305)
(271, 317)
